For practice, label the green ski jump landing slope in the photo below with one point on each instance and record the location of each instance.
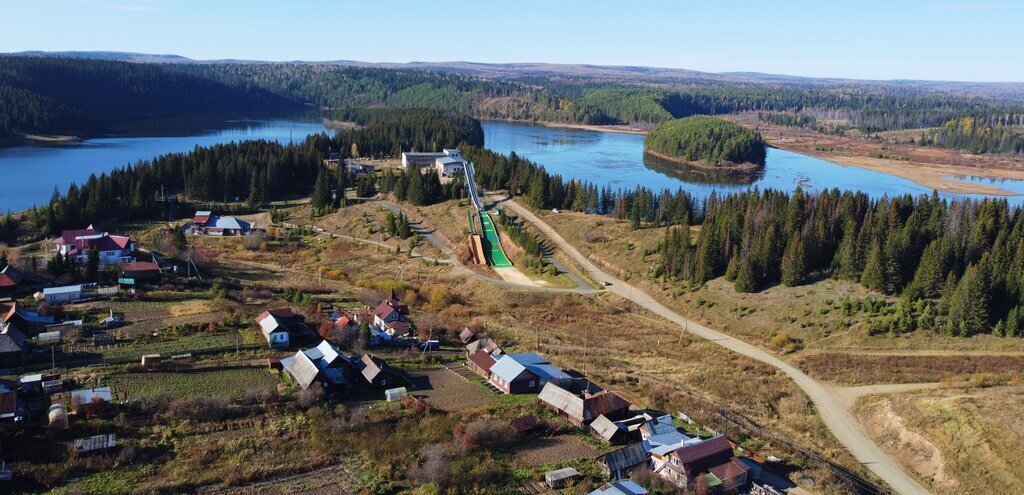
(492, 248)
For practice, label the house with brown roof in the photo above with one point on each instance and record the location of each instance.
(582, 402)
(484, 344)
(29, 322)
(14, 282)
(113, 249)
(140, 270)
(481, 363)
(712, 458)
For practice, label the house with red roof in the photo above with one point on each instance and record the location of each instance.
(390, 319)
(113, 249)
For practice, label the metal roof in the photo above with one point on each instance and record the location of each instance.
(301, 368)
(508, 368)
(625, 457)
(605, 428)
(625, 487)
(658, 426)
(67, 289)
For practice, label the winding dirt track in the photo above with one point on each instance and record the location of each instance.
(832, 409)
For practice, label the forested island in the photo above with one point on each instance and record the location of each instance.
(707, 142)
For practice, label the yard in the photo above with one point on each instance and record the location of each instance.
(227, 382)
(449, 392)
(550, 450)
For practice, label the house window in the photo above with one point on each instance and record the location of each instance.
(533, 383)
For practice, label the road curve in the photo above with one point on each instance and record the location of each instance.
(832, 410)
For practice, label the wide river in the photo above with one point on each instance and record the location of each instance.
(32, 172)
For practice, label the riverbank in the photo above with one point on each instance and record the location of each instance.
(730, 168)
(28, 139)
(928, 166)
(932, 168)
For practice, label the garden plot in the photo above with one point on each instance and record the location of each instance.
(230, 382)
(449, 392)
(550, 450)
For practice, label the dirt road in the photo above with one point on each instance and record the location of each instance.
(832, 409)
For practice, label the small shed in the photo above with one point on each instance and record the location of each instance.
(69, 293)
(559, 478)
(395, 394)
(525, 425)
(151, 360)
(95, 443)
(48, 338)
(58, 415)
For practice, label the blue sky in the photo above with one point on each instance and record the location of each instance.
(868, 39)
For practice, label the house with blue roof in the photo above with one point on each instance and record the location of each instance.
(524, 373)
(206, 223)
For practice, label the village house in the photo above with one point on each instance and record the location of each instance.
(619, 432)
(486, 345)
(112, 249)
(14, 282)
(13, 347)
(582, 403)
(621, 463)
(712, 458)
(322, 365)
(524, 373)
(140, 271)
(390, 320)
(283, 328)
(467, 335)
(206, 223)
(624, 487)
(30, 323)
(481, 363)
(12, 409)
(376, 372)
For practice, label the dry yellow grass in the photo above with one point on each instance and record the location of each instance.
(956, 441)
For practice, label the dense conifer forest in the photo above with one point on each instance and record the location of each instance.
(255, 172)
(958, 266)
(58, 95)
(706, 140)
(38, 99)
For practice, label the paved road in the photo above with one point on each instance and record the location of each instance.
(832, 409)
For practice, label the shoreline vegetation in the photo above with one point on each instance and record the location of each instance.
(725, 168)
(931, 175)
(707, 142)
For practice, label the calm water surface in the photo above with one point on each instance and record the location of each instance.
(616, 159)
(31, 172)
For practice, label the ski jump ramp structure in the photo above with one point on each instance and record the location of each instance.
(484, 245)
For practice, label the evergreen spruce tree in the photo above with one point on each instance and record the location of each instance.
(873, 276)
(746, 280)
(794, 263)
(969, 306)
(321, 198)
(92, 264)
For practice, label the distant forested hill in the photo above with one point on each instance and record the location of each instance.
(706, 140)
(71, 96)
